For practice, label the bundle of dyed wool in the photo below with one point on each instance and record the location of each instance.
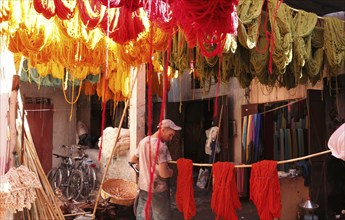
(206, 23)
(109, 136)
(47, 8)
(159, 12)
(225, 199)
(265, 189)
(129, 26)
(185, 193)
(21, 193)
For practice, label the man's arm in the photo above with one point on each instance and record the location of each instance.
(164, 170)
(134, 159)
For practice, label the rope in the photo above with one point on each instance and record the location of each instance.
(215, 112)
(104, 83)
(280, 107)
(162, 114)
(73, 101)
(149, 122)
(278, 162)
(217, 139)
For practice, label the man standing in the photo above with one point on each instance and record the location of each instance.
(145, 156)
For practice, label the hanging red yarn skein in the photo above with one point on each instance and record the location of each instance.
(184, 191)
(113, 3)
(91, 12)
(129, 26)
(158, 12)
(224, 196)
(110, 18)
(46, 7)
(206, 22)
(265, 189)
(65, 8)
(133, 5)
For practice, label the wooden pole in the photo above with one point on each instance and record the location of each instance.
(12, 118)
(113, 150)
(279, 162)
(217, 138)
(46, 200)
(78, 213)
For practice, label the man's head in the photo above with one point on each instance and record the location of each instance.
(168, 129)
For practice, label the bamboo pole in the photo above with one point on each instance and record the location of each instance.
(279, 162)
(78, 213)
(12, 117)
(113, 149)
(217, 138)
(46, 203)
(47, 200)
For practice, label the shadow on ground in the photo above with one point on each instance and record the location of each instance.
(202, 199)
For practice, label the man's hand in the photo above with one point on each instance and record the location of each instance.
(134, 166)
(164, 170)
(134, 159)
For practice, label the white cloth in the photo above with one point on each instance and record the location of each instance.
(336, 143)
(211, 135)
(81, 128)
(109, 136)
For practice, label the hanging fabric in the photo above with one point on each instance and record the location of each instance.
(244, 138)
(337, 143)
(211, 135)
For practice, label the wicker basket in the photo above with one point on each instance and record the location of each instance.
(121, 192)
(3, 209)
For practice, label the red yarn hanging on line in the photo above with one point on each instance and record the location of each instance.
(206, 22)
(225, 195)
(265, 189)
(184, 191)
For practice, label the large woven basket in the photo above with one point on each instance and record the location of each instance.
(3, 209)
(121, 192)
